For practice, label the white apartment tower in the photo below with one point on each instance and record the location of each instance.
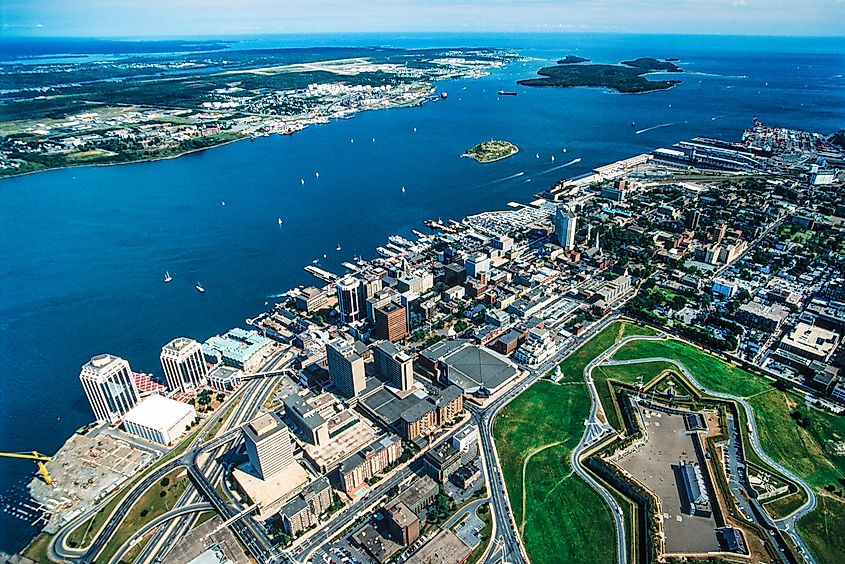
(184, 365)
(110, 387)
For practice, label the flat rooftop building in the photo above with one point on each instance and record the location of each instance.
(239, 348)
(811, 342)
(268, 445)
(159, 419)
(346, 367)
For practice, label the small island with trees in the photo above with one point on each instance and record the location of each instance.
(572, 60)
(493, 150)
(626, 77)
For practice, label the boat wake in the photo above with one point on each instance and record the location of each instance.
(554, 168)
(653, 127)
(517, 175)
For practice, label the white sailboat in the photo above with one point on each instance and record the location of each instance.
(167, 277)
(222, 203)
(338, 247)
(317, 174)
(200, 288)
(280, 222)
(553, 158)
(403, 189)
(302, 181)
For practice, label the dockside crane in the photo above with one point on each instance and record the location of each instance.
(39, 459)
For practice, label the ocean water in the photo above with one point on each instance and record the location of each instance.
(84, 250)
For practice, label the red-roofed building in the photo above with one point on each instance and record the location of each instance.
(146, 385)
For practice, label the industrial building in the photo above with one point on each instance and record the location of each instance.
(184, 365)
(159, 419)
(110, 387)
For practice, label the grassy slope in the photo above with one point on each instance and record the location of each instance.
(565, 520)
(810, 453)
(573, 366)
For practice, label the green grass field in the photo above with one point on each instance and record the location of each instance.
(710, 371)
(822, 530)
(627, 374)
(564, 520)
(815, 453)
(156, 501)
(573, 366)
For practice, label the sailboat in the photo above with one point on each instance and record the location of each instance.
(324, 255)
(302, 181)
(167, 277)
(403, 189)
(537, 155)
(280, 222)
(564, 149)
(317, 174)
(200, 289)
(415, 130)
(222, 203)
(338, 247)
(553, 158)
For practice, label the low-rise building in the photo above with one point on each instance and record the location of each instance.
(239, 348)
(159, 419)
(372, 460)
(758, 315)
(811, 342)
(303, 511)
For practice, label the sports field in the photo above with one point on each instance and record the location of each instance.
(560, 517)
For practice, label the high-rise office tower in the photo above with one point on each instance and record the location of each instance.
(565, 222)
(693, 218)
(184, 364)
(110, 387)
(349, 299)
(391, 322)
(268, 444)
(396, 364)
(346, 367)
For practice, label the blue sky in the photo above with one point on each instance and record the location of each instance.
(175, 18)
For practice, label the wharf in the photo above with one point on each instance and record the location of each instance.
(323, 275)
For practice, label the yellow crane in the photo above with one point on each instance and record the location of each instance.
(39, 459)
